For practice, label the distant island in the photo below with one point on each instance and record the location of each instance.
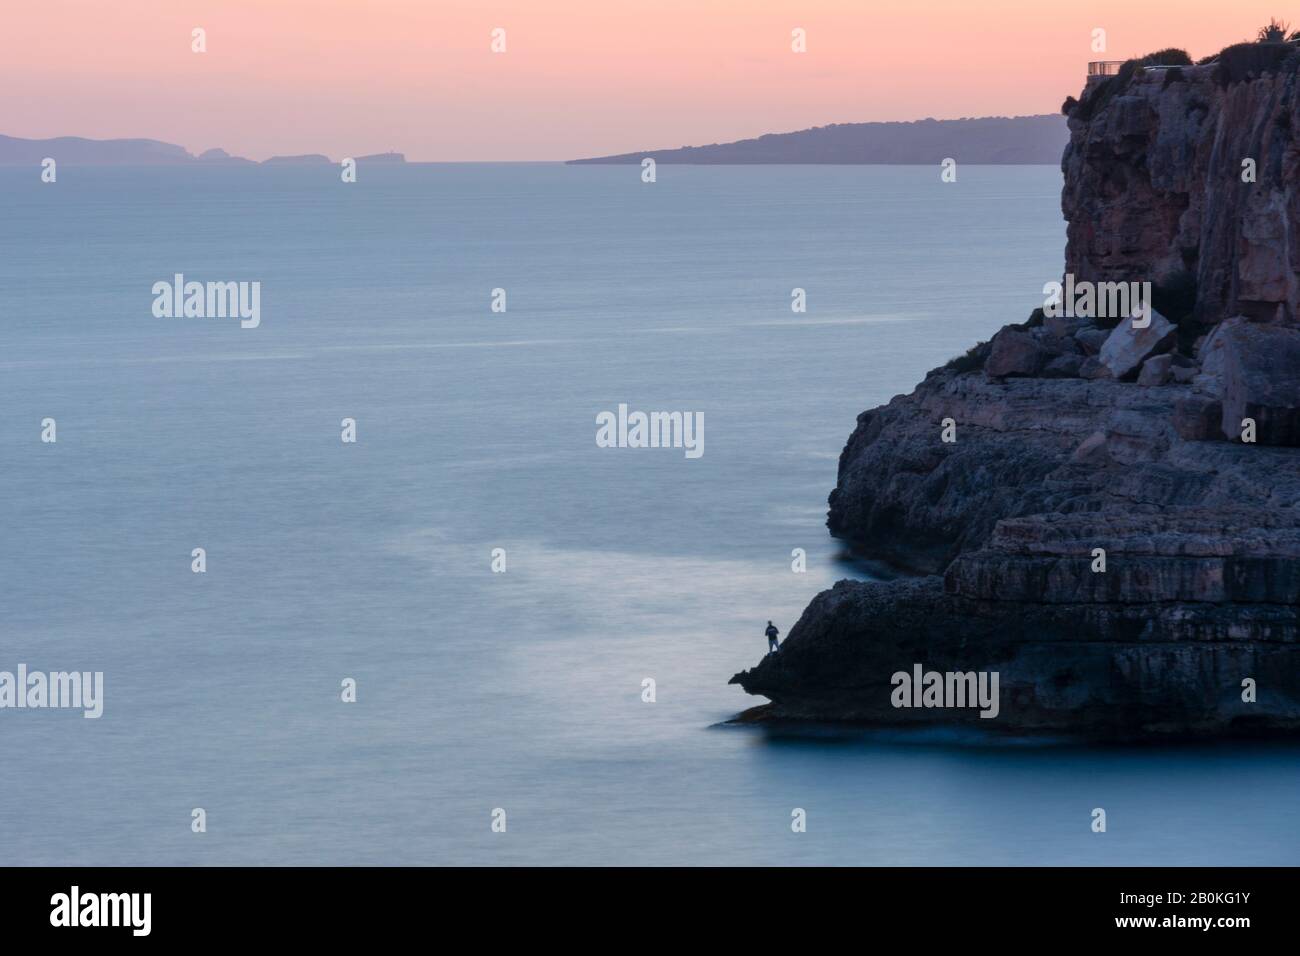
(78, 151)
(997, 140)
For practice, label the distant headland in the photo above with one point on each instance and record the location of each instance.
(992, 140)
(78, 151)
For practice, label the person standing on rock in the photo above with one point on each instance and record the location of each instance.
(772, 633)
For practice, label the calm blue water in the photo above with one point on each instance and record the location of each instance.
(476, 431)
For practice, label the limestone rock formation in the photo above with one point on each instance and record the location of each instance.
(1199, 588)
(1129, 345)
(1156, 190)
(1099, 533)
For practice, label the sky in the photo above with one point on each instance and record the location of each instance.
(577, 78)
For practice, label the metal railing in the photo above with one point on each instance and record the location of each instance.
(1104, 67)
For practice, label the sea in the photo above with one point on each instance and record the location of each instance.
(474, 636)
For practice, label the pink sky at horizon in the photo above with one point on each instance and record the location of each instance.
(581, 78)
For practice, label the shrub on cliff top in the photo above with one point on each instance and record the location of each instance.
(1242, 61)
(1169, 56)
(972, 361)
(1277, 31)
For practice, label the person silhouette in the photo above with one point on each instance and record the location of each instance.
(772, 633)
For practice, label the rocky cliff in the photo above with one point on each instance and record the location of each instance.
(1103, 511)
(1189, 177)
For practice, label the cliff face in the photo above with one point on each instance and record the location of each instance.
(1099, 524)
(1154, 188)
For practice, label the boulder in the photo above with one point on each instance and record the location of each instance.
(1261, 381)
(1015, 352)
(1063, 366)
(1126, 348)
(1156, 370)
(1209, 353)
(1064, 326)
(1091, 339)
(1091, 368)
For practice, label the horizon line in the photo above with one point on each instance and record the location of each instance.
(660, 149)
